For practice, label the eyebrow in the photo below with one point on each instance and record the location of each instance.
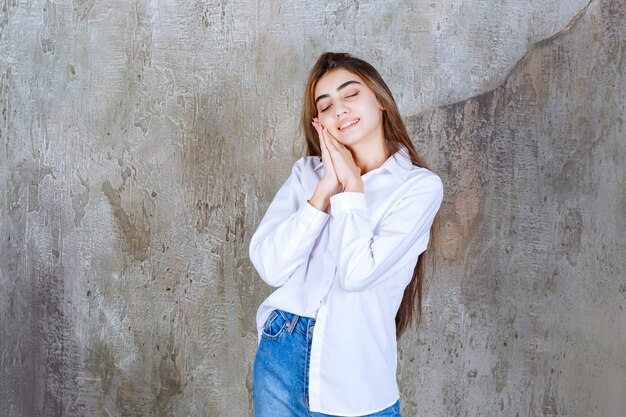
(338, 88)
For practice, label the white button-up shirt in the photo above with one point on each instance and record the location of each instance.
(348, 270)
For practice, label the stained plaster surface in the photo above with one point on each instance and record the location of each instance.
(141, 143)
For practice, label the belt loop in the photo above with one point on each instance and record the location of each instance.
(293, 323)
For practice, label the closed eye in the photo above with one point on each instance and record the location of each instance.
(352, 95)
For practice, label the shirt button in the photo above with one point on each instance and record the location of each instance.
(311, 329)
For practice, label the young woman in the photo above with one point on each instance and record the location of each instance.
(342, 242)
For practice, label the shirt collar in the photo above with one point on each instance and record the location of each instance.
(399, 164)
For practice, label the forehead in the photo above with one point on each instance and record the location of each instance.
(331, 80)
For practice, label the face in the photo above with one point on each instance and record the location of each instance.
(348, 108)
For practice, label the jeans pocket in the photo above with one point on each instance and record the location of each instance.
(274, 326)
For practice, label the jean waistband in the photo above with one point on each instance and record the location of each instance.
(303, 322)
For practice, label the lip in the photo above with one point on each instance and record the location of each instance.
(347, 120)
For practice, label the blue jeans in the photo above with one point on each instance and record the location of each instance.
(280, 374)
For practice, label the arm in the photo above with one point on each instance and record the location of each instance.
(364, 255)
(287, 232)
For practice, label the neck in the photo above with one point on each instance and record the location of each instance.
(369, 156)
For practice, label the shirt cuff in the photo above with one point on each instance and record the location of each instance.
(347, 201)
(312, 217)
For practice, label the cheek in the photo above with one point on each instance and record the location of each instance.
(375, 114)
(326, 121)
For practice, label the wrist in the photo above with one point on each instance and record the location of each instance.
(321, 197)
(354, 184)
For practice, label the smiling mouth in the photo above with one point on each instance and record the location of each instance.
(349, 124)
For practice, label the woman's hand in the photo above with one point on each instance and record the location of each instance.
(346, 170)
(329, 183)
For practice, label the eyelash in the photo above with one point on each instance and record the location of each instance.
(322, 111)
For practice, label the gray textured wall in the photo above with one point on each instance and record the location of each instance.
(143, 141)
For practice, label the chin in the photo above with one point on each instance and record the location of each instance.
(348, 142)
(351, 139)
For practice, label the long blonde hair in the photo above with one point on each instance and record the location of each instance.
(395, 133)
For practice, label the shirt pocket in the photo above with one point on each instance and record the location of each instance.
(275, 326)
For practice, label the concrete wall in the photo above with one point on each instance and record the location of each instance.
(141, 143)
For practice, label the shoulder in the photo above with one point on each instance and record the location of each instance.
(413, 176)
(306, 164)
(424, 179)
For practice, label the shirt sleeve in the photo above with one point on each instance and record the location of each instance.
(363, 254)
(286, 235)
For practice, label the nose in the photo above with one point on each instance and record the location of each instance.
(340, 109)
